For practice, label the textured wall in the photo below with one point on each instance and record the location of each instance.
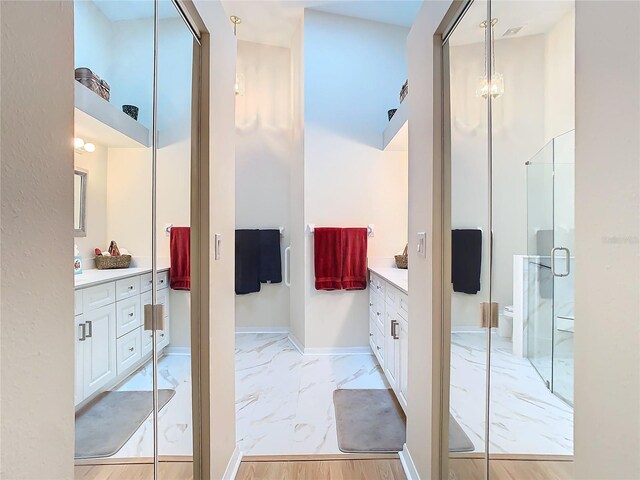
(36, 404)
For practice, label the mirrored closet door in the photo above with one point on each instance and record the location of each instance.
(512, 65)
(137, 78)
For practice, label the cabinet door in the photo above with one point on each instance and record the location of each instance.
(403, 346)
(390, 347)
(99, 348)
(80, 339)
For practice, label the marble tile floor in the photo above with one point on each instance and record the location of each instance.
(174, 420)
(526, 418)
(284, 400)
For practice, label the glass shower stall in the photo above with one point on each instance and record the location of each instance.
(550, 291)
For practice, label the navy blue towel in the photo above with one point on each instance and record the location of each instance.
(270, 258)
(466, 260)
(247, 261)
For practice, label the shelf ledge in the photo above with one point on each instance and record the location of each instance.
(103, 122)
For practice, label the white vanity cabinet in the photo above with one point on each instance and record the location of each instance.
(389, 330)
(109, 326)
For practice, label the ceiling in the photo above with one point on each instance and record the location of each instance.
(534, 16)
(274, 22)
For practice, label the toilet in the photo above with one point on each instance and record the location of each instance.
(505, 324)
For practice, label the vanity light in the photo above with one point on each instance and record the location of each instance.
(496, 87)
(82, 147)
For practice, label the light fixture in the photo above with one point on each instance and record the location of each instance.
(81, 147)
(495, 88)
(239, 83)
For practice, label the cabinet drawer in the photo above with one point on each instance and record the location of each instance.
(147, 341)
(163, 280)
(403, 303)
(127, 288)
(392, 295)
(145, 281)
(129, 350)
(128, 315)
(98, 296)
(377, 311)
(77, 306)
(377, 284)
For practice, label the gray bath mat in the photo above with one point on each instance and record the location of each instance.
(372, 421)
(105, 425)
(369, 421)
(458, 440)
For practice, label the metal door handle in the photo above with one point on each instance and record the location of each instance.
(83, 334)
(90, 325)
(567, 262)
(394, 331)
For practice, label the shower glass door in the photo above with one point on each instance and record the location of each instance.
(538, 306)
(564, 265)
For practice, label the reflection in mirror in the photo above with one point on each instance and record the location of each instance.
(80, 203)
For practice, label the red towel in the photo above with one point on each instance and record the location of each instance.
(328, 258)
(354, 258)
(180, 248)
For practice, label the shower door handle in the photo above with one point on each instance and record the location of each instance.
(287, 266)
(567, 262)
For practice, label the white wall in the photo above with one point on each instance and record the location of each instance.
(222, 65)
(36, 403)
(607, 357)
(424, 397)
(559, 77)
(95, 165)
(353, 71)
(264, 134)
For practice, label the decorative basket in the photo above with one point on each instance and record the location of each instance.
(404, 91)
(402, 261)
(93, 82)
(107, 263)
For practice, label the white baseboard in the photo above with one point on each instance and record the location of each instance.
(262, 330)
(407, 464)
(339, 351)
(296, 343)
(468, 329)
(177, 351)
(233, 465)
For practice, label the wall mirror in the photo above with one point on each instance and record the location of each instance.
(79, 203)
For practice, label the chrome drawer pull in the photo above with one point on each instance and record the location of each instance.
(90, 325)
(131, 349)
(83, 335)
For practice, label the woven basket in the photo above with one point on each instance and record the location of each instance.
(402, 261)
(107, 263)
(93, 82)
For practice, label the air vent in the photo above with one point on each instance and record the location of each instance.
(512, 31)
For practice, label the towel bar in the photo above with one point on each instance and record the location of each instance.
(370, 229)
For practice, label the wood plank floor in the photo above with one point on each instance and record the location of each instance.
(352, 469)
(473, 469)
(137, 471)
(335, 468)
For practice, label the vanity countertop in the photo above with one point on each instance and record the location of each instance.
(396, 276)
(95, 276)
